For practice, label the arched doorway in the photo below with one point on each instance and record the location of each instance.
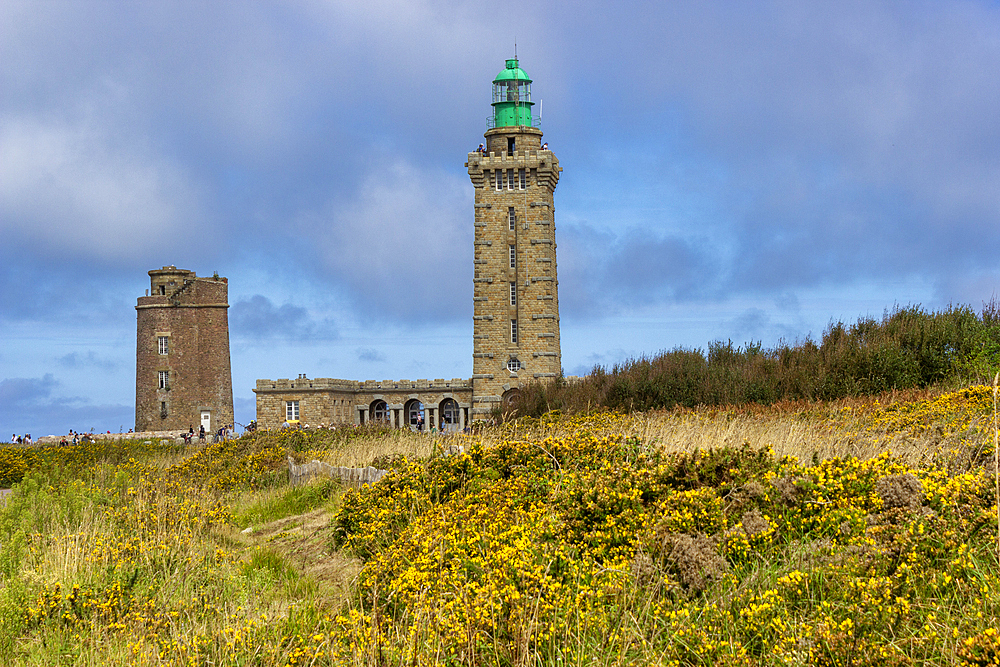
(510, 401)
(379, 411)
(414, 411)
(449, 415)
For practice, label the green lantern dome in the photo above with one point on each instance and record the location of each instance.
(511, 97)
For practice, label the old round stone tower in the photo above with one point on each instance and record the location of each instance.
(516, 297)
(183, 376)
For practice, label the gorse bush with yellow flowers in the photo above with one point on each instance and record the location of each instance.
(559, 540)
(590, 548)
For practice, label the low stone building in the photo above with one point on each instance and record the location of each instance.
(439, 404)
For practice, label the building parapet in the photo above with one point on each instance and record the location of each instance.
(327, 384)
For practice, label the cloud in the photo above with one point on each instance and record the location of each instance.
(27, 405)
(828, 145)
(17, 392)
(258, 319)
(369, 354)
(88, 360)
(71, 188)
(603, 272)
(401, 247)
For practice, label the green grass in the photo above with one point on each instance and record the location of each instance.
(281, 502)
(597, 539)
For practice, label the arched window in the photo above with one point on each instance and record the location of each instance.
(379, 411)
(449, 414)
(414, 411)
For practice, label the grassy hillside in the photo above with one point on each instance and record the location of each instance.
(857, 532)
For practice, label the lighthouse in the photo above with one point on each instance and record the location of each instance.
(516, 289)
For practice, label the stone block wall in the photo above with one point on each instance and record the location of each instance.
(325, 401)
(192, 314)
(510, 219)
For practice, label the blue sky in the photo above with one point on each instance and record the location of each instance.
(744, 171)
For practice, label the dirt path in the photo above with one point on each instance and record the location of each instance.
(305, 540)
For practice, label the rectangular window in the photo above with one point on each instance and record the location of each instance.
(513, 331)
(510, 179)
(513, 294)
(511, 218)
(163, 379)
(513, 257)
(522, 178)
(163, 344)
(499, 178)
(291, 410)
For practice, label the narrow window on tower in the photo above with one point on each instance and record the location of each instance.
(513, 257)
(511, 218)
(513, 294)
(163, 344)
(163, 379)
(522, 178)
(513, 331)
(499, 178)
(510, 179)
(163, 409)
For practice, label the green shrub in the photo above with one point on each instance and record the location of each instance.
(908, 348)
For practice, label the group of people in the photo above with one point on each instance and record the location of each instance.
(482, 148)
(73, 437)
(223, 433)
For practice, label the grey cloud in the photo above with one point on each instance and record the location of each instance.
(16, 392)
(71, 294)
(70, 189)
(787, 302)
(78, 360)
(258, 319)
(856, 142)
(602, 271)
(369, 354)
(399, 249)
(27, 405)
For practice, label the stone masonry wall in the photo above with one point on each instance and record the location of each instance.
(535, 305)
(324, 401)
(192, 313)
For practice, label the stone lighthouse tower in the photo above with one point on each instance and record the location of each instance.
(516, 297)
(183, 376)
